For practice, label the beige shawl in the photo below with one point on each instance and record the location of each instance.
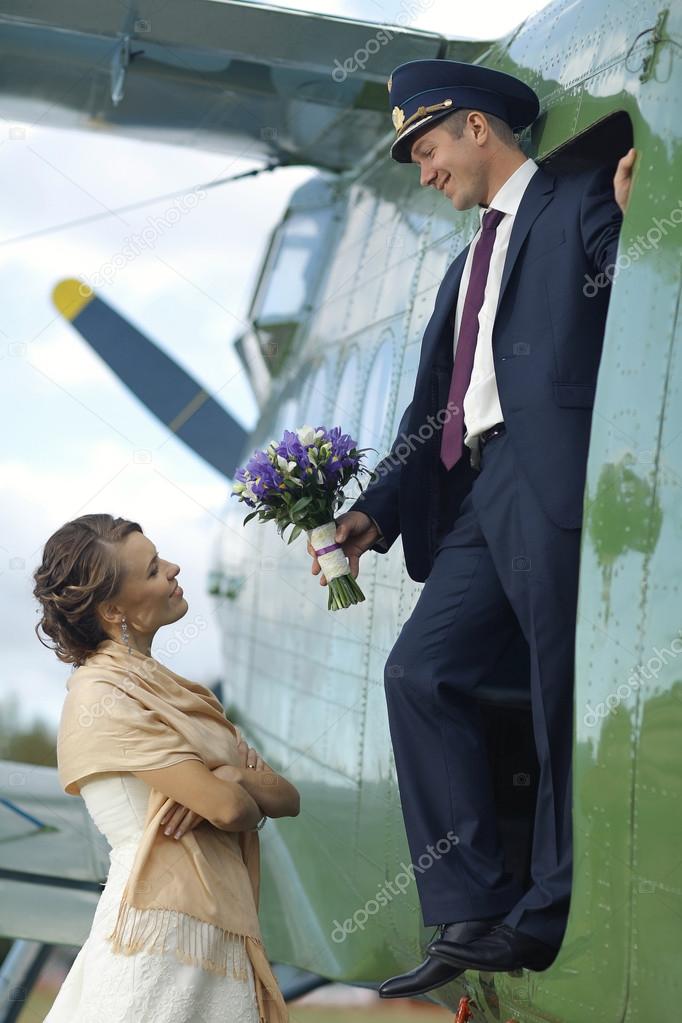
(127, 712)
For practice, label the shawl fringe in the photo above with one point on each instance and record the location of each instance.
(162, 931)
(209, 915)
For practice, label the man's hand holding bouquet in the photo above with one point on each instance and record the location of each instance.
(299, 482)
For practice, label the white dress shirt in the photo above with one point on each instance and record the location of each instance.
(481, 401)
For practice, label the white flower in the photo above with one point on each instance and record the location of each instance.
(281, 463)
(320, 476)
(306, 435)
(248, 491)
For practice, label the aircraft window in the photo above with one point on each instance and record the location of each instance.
(375, 403)
(293, 265)
(346, 399)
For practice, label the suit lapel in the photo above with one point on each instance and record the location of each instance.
(539, 192)
(438, 343)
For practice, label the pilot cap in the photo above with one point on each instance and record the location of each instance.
(422, 92)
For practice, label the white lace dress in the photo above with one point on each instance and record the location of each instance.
(143, 988)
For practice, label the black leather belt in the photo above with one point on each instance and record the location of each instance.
(492, 431)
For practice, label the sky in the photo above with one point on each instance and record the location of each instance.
(488, 19)
(74, 440)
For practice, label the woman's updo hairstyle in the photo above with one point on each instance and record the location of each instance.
(79, 571)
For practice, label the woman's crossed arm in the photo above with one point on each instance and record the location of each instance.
(200, 794)
(230, 798)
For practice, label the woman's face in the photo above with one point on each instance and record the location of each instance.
(150, 595)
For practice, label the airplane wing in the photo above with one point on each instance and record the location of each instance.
(263, 82)
(54, 861)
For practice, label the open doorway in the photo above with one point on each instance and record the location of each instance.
(505, 699)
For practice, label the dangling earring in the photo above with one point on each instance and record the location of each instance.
(124, 634)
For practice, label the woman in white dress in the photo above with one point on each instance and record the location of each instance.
(179, 796)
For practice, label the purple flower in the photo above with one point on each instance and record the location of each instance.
(324, 459)
(341, 444)
(261, 474)
(258, 464)
(291, 448)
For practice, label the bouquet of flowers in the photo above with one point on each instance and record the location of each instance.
(299, 482)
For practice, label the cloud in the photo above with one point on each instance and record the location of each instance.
(73, 365)
(180, 511)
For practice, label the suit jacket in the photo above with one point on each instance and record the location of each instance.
(547, 341)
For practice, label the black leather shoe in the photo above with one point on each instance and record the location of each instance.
(503, 949)
(433, 973)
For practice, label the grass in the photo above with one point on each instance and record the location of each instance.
(400, 1011)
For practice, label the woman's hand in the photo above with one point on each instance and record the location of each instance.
(178, 820)
(249, 757)
(275, 796)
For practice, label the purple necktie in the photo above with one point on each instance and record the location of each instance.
(451, 446)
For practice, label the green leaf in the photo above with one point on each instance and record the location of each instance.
(250, 516)
(295, 532)
(300, 505)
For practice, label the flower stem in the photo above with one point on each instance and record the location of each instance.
(344, 591)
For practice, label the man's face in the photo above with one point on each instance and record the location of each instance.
(453, 166)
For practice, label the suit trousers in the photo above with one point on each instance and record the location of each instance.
(500, 566)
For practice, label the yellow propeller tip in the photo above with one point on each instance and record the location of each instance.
(71, 296)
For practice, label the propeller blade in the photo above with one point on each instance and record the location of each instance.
(167, 390)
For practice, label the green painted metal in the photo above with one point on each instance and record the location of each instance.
(269, 83)
(309, 684)
(306, 684)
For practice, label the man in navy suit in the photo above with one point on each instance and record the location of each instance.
(484, 483)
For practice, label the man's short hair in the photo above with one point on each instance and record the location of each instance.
(454, 123)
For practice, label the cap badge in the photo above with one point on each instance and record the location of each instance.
(420, 113)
